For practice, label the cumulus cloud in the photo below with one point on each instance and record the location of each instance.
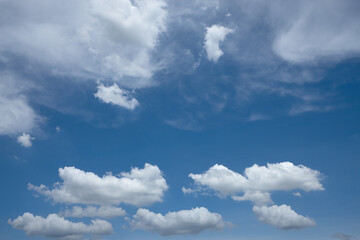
(257, 197)
(321, 30)
(25, 140)
(54, 226)
(215, 35)
(182, 222)
(139, 187)
(92, 211)
(117, 96)
(297, 194)
(282, 217)
(257, 181)
(90, 38)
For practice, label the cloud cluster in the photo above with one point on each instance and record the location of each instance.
(117, 96)
(256, 184)
(282, 217)
(54, 226)
(139, 187)
(214, 36)
(92, 211)
(257, 181)
(90, 38)
(182, 222)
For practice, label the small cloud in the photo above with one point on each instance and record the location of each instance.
(117, 96)
(257, 117)
(214, 36)
(228, 15)
(25, 140)
(297, 194)
(58, 129)
(187, 190)
(342, 236)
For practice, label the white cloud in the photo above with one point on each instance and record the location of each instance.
(297, 194)
(57, 227)
(89, 38)
(58, 129)
(92, 211)
(117, 96)
(282, 176)
(282, 217)
(17, 116)
(257, 117)
(257, 197)
(139, 187)
(25, 140)
(342, 236)
(214, 36)
(182, 222)
(325, 29)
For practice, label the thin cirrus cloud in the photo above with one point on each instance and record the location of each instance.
(282, 217)
(117, 96)
(55, 226)
(182, 222)
(139, 187)
(93, 211)
(215, 35)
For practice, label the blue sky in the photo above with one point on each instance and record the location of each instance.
(179, 120)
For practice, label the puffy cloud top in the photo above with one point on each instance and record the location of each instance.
(139, 187)
(117, 96)
(178, 223)
(214, 36)
(282, 217)
(57, 227)
(92, 211)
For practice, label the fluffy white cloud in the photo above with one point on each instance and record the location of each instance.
(214, 36)
(25, 140)
(117, 96)
(282, 217)
(139, 187)
(321, 29)
(257, 181)
(177, 223)
(90, 38)
(257, 197)
(92, 211)
(57, 227)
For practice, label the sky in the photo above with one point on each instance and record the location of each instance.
(154, 119)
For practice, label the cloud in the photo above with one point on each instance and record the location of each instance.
(57, 227)
(257, 197)
(297, 194)
(117, 96)
(182, 222)
(214, 36)
(25, 140)
(139, 187)
(257, 117)
(282, 217)
(88, 39)
(258, 180)
(342, 236)
(17, 116)
(91, 211)
(320, 30)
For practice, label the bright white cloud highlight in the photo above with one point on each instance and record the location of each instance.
(215, 35)
(90, 38)
(257, 181)
(177, 223)
(92, 211)
(25, 140)
(282, 217)
(117, 96)
(139, 187)
(321, 29)
(57, 227)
